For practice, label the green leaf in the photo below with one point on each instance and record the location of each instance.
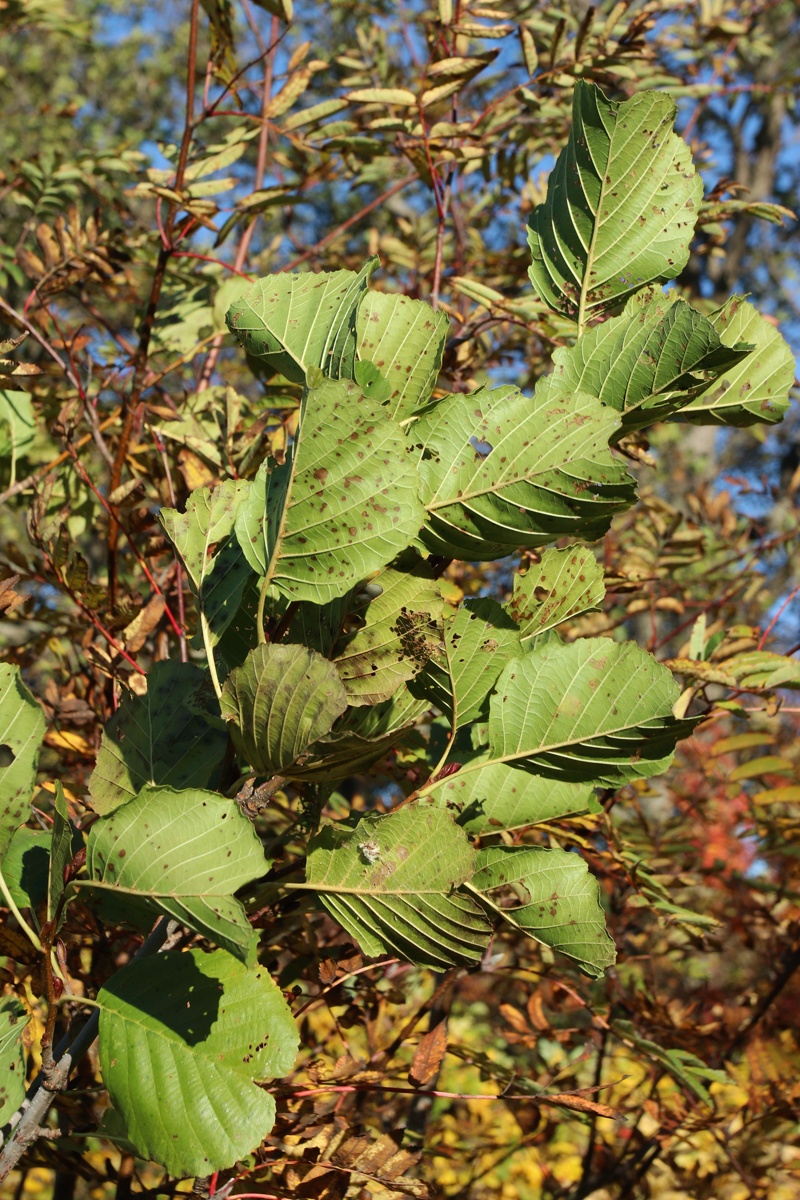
(22, 727)
(13, 1019)
(172, 735)
(565, 584)
(595, 710)
(296, 322)
(763, 669)
(17, 428)
(348, 497)
(460, 675)
(648, 363)
(182, 853)
(25, 867)
(559, 901)
(753, 391)
(217, 572)
(195, 1031)
(60, 851)
(361, 737)
(405, 340)
(391, 883)
(621, 204)
(500, 471)
(279, 701)
(498, 796)
(400, 631)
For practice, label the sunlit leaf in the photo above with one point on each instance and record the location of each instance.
(498, 796)
(391, 881)
(648, 363)
(753, 391)
(462, 672)
(182, 853)
(621, 204)
(345, 501)
(405, 340)
(296, 322)
(500, 471)
(197, 1031)
(564, 584)
(558, 900)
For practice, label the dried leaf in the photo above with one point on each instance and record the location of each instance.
(428, 1056)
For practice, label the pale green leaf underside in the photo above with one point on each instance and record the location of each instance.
(13, 1019)
(400, 630)
(564, 584)
(17, 427)
(405, 340)
(22, 727)
(391, 884)
(296, 322)
(497, 796)
(351, 503)
(621, 204)
(183, 853)
(477, 645)
(172, 735)
(500, 471)
(279, 701)
(647, 363)
(753, 391)
(183, 1036)
(562, 901)
(592, 711)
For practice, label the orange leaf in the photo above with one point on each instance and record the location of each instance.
(428, 1056)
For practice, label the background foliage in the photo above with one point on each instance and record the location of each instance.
(137, 191)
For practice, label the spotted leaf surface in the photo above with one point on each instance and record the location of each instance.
(621, 204)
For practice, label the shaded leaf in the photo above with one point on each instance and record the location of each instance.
(13, 1019)
(278, 702)
(391, 881)
(621, 204)
(559, 901)
(182, 853)
(25, 867)
(172, 735)
(689, 1070)
(60, 851)
(196, 1030)
(22, 727)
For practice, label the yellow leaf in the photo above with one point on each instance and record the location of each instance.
(378, 95)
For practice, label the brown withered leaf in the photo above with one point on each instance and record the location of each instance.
(9, 599)
(428, 1056)
(136, 634)
(327, 971)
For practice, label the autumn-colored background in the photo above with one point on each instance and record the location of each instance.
(152, 155)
